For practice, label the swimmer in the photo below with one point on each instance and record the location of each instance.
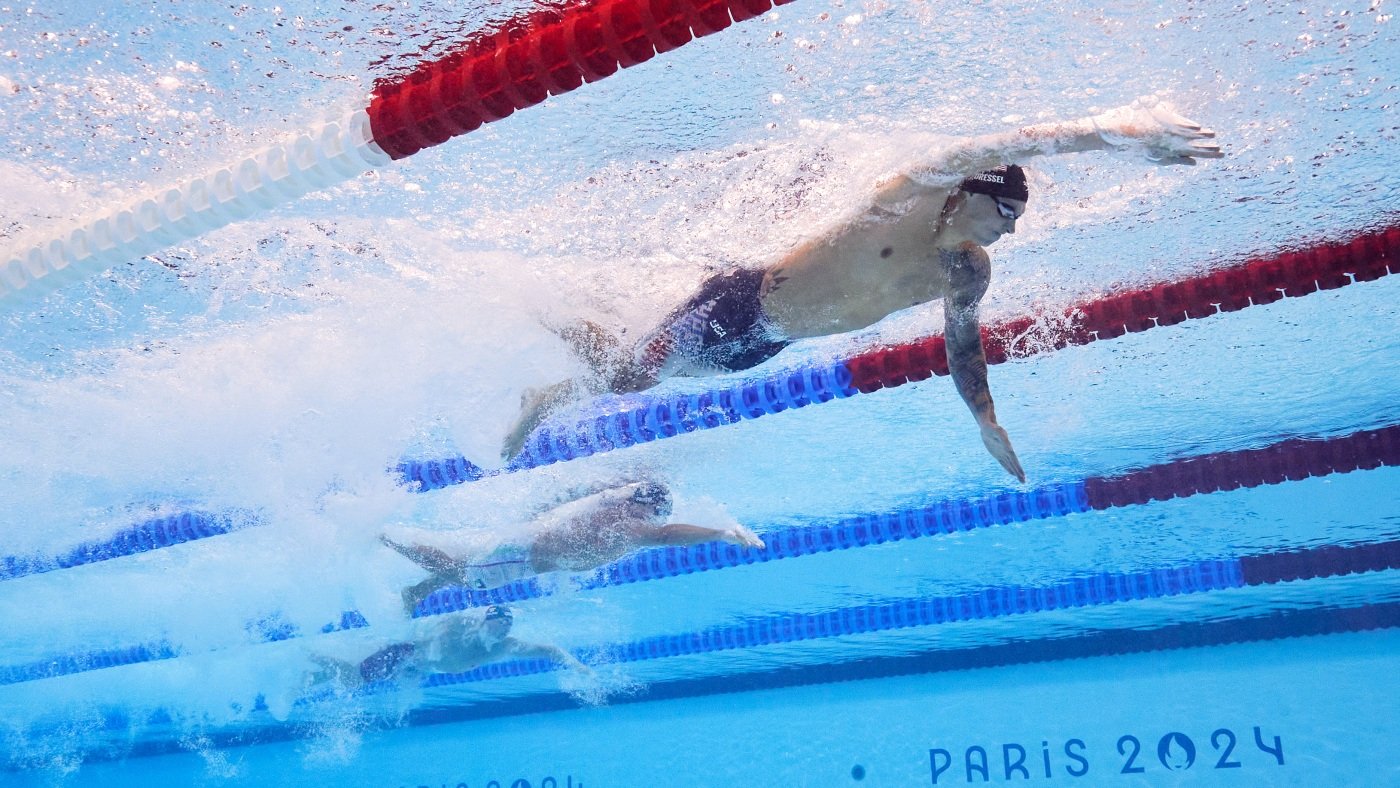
(920, 239)
(457, 644)
(582, 534)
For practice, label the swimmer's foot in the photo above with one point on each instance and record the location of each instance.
(743, 537)
(535, 406)
(415, 594)
(531, 414)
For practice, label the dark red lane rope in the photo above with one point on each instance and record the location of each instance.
(540, 54)
(1257, 281)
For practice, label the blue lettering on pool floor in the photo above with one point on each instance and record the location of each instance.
(1073, 758)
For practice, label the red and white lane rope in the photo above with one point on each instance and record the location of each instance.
(323, 156)
(491, 75)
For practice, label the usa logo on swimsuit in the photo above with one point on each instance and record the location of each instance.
(685, 335)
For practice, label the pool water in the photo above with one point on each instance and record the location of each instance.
(264, 379)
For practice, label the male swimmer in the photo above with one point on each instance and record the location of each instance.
(921, 238)
(456, 644)
(581, 534)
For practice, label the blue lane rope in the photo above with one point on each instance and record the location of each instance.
(1301, 458)
(619, 422)
(1271, 626)
(640, 419)
(1101, 588)
(152, 534)
(941, 518)
(1274, 625)
(944, 517)
(267, 630)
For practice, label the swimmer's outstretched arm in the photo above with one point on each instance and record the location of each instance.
(553, 653)
(582, 491)
(1148, 125)
(678, 534)
(330, 669)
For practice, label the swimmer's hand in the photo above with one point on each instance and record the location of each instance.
(1156, 129)
(999, 444)
(578, 667)
(743, 537)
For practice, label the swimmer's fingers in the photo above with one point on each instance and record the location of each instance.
(998, 444)
(1175, 152)
(1175, 123)
(1206, 150)
(743, 537)
(1171, 120)
(1167, 161)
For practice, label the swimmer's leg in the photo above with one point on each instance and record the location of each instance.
(330, 670)
(592, 343)
(430, 558)
(445, 569)
(536, 405)
(415, 594)
(614, 369)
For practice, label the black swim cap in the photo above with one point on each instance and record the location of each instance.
(651, 494)
(1007, 181)
(498, 611)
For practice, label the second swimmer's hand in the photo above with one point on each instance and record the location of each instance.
(999, 444)
(743, 537)
(1155, 127)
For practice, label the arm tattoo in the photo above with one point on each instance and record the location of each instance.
(968, 366)
(967, 363)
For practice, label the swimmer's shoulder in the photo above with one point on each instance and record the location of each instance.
(593, 503)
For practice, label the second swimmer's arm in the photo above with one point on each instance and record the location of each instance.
(680, 534)
(553, 653)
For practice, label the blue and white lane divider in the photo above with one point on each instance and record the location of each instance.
(1095, 642)
(1286, 460)
(639, 419)
(69, 664)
